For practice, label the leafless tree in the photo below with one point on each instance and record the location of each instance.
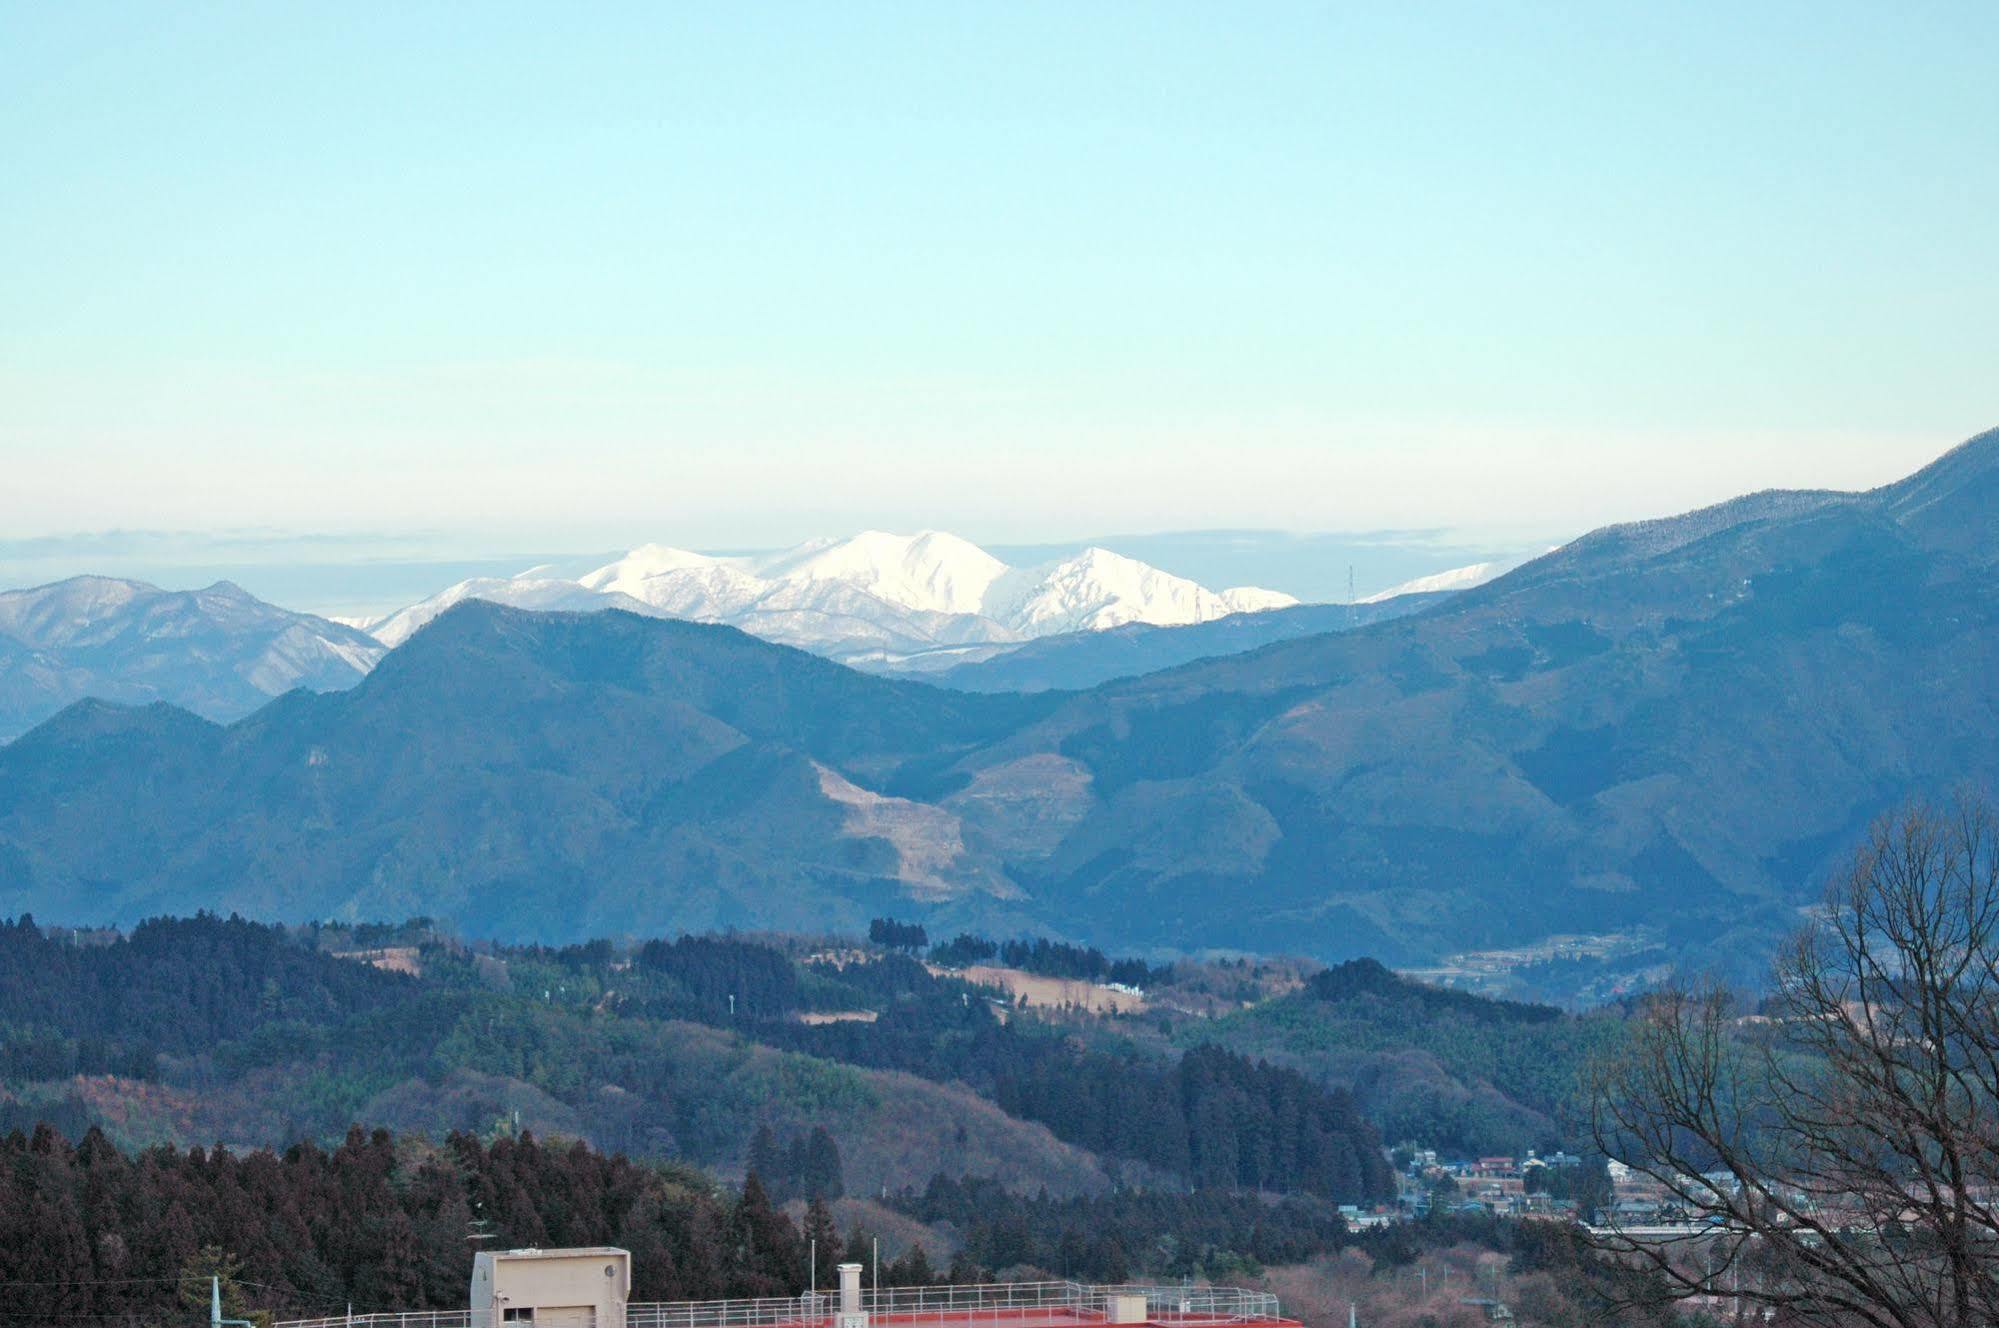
(1839, 1160)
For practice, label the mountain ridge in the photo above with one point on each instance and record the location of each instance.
(494, 721)
(1078, 660)
(1666, 736)
(873, 597)
(218, 650)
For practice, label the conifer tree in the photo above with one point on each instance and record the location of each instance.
(762, 1251)
(764, 1159)
(822, 1240)
(821, 1176)
(913, 1268)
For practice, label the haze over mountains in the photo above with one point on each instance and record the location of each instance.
(1675, 727)
(220, 651)
(877, 599)
(891, 603)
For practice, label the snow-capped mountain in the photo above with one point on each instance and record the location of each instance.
(529, 590)
(1098, 589)
(220, 652)
(874, 599)
(1456, 578)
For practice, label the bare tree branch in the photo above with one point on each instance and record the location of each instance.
(1841, 1161)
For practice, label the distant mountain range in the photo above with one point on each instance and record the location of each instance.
(219, 651)
(1084, 659)
(889, 601)
(1455, 578)
(1673, 728)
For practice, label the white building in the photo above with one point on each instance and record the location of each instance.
(577, 1288)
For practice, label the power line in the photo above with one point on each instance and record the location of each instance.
(43, 1316)
(91, 1281)
(289, 1294)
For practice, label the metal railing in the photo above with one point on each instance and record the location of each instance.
(1203, 1304)
(991, 1305)
(808, 1311)
(404, 1319)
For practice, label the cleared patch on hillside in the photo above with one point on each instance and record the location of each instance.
(390, 959)
(929, 842)
(816, 1017)
(1052, 993)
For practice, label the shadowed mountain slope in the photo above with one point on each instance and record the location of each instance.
(533, 774)
(1677, 726)
(1078, 660)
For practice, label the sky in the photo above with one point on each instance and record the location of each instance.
(487, 281)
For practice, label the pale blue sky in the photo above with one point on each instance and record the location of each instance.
(576, 276)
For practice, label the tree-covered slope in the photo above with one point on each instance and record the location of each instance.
(1672, 728)
(1678, 726)
(546, 775)
(681, 1050)
(1441, 1068)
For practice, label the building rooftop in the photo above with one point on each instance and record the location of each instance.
(996, 1305)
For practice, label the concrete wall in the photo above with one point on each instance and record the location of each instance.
(564, 1288)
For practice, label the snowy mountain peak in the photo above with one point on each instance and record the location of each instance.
(1456, 578)
(930, 571)
(876, 596)
(1255, 599)
(1098, 589)
(648, 560)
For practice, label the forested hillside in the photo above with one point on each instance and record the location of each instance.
(1674, 728)
(379, 1223)
(1210, 1134)
(679, 1049)
(1443, 1068)
(90, 1233)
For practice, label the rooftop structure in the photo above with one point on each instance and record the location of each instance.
(574, 1288)
(587, 1288)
